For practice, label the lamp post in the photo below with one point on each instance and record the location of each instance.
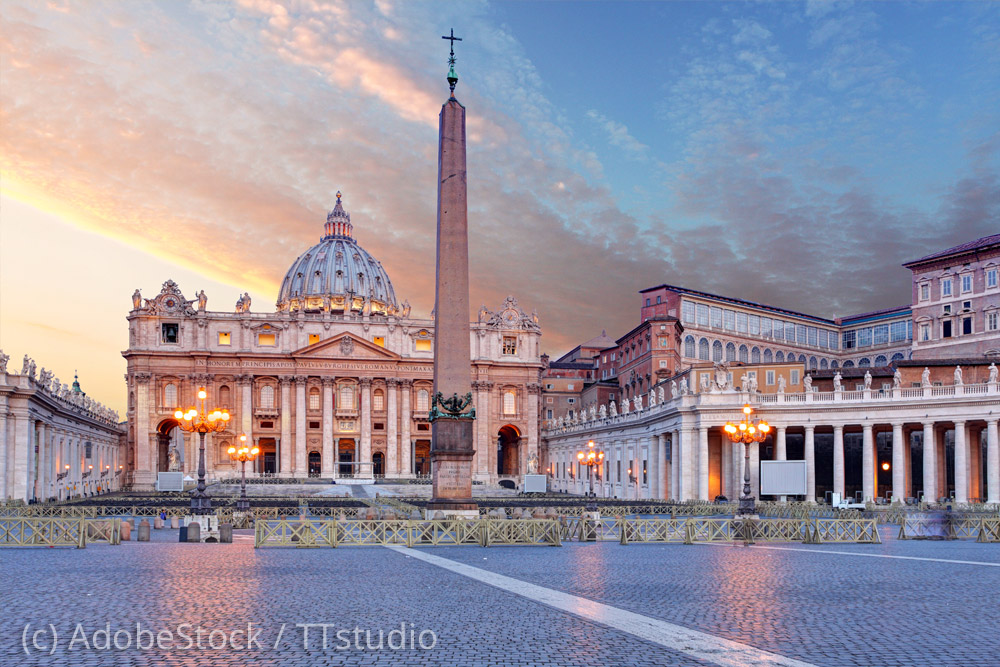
(243, 454)
(746, 432)
(201, 422)
(590, 458)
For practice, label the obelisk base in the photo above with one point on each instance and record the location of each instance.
(451, 464)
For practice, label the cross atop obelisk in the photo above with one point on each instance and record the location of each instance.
(452, 77)
(452, 413)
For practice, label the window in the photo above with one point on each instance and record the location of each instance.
(689, 346)
(378, 401)
(313, 424)
(687, 311)
(225, 399)
(864, 337)
(267, 397)
(992, 320)
(925, 332)
(346, 398)
(946, 329)
(548, 386)
(789, 332)
(548, 399)
(947, 309)
(800, 333)
(510, 401)
(267, 424)
(571, 401)
(813, 336)
(779, 357)
(822, 338)
(765, 326)
(702, 314)
(768, 356)
(225, 338)
(769, 378)
(754, 321)
(966, 326)
(548, 413)
(510, 344)
(717, 351)
(647, 301)
(794, 378)
(744, 354)
(880, 334)
(991, 278)
(897, 331)
(946, 287)
(967, 283)
(925, 292)
(645, 478)
(379, 340)
(170, 396)
(313, 339)
(663, 363)
(659, 299)
(716, 317)
(741, 322)
(423, 400)
(755, 356)
(266, 339)
(880, 360)
(850, 340)
(663, 341)
(730, 352)
(314, 398)
(730, 319)
(703, 349)
(966, 305)
(569, 386)
(168, 332)
(422, 345)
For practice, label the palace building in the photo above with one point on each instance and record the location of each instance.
(334, 382)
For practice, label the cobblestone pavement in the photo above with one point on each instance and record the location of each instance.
(799, 601)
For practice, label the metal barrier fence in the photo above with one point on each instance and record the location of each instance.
(698, 529)
(989, 531)
(408, 532)
(42, 532)
(948, 526)
(104, 530)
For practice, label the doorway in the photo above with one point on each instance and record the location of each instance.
(508, 445)
(378, 464)
(315, 464)
(345, 456)
(422, 457)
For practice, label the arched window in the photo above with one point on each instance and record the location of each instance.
(703, 349)
(347, 397)
(267, 396)
(717, 351)
(897, 357)
(744, 354)
(813, 363)
(865, 362)
(768, 356)
(314, 398)
(823, 365)
(509, 402)
(755, 355)
(225, 397)
(880, 360)
(170, 396)
(378, 400)
(730, 352)
(848, 364)
(779, 358)
(689, 347)
(423, 401)
(834, 364)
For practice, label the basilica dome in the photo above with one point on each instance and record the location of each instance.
(337, 274)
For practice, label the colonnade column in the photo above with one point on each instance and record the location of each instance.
(930, 464)
(992, 463)
(961, 464)
(144, 472)
(809, 452)
(867, 463)
(4, 450)
(703, 463)
(366, 427)
(689, 490)
(405, 446)
(285, 466)
(838, 460)
(898, 463)
(484, 443)
(329, 467)
(781, 451)
(301, 467)
(391, 430)
(245, 382)
(660, 445)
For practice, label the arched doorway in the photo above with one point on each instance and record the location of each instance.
(315, 464)
(422, 457)
(508, 442)
(168, 434)
(345, 456)
(378, 463)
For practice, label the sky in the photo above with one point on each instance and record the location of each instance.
(789, 153)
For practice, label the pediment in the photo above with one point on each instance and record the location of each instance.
(346, 346)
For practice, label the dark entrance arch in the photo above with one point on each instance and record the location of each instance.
(315, 464)
(378, 463)
(508, 445)
(164, 434)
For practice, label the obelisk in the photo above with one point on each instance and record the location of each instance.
(452, 413)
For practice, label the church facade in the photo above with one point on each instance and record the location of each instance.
(335, 382)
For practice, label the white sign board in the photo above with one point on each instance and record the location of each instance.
(782, 478)
(169, 481)
(534, 484)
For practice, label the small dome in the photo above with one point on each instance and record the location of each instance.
(337, 274)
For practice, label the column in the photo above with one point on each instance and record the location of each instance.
(992, 463)
(684, 459)
(484, 443)
(285, 463)
(329, 465)
(780, 451)
(391, 428)
(4, 451)
(703, 463)
(868, 489)
(755, 470)
(405, 446)
(22, 442)
(365, 456)
(898, 463)
(961, 464)
(42, 488)
(930, 464)
(534, 389)
(246, 406)
(301, 468)
(659, 455)
(675, 465)
(838, 460)
(809, 453)
(145, 473)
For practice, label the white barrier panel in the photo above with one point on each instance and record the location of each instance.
(782, 478)
(169, 481)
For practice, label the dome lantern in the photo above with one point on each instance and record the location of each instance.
(338, 222)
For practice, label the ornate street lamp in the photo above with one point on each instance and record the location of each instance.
(201, 422)
(243, 454)
(747, 432)
(590, 458)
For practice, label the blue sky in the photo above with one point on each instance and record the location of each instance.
(788, 153)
